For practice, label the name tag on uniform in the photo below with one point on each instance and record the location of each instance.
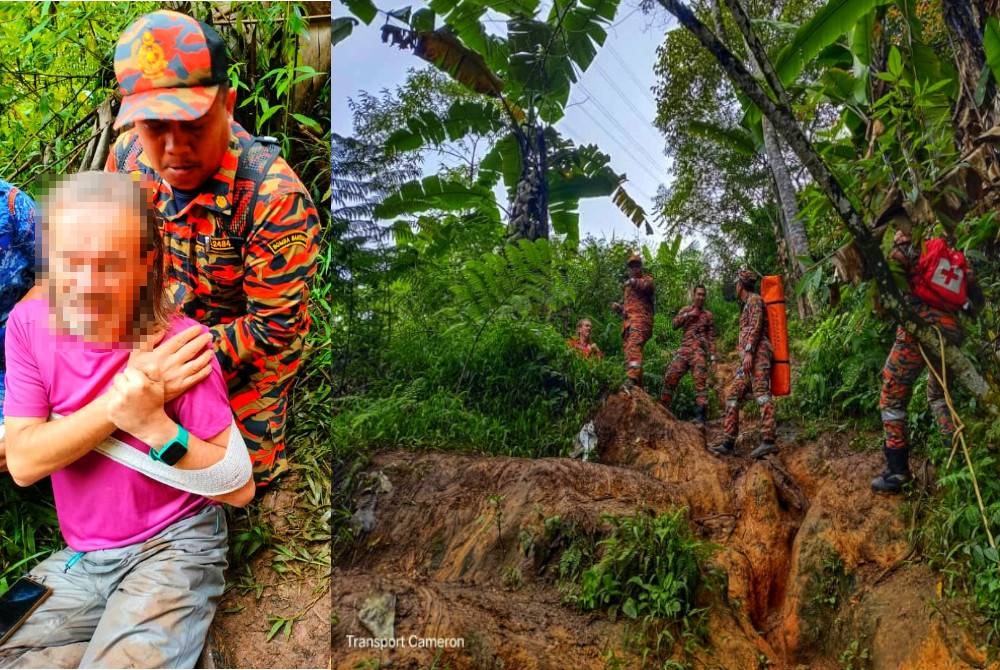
(288, 240)
(220, 244)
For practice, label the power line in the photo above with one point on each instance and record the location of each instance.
(627, 99)
(614, 138)
(575, 136)
(645, 89)
(615, 122)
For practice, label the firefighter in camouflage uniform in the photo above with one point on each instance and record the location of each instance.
(636, 311)
(900, 373)
(754, 373)
(696, 350)
(240, 228)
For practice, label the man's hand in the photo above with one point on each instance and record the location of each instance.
(135, 403)
(180, 362)
(617, 308)
(747, 363)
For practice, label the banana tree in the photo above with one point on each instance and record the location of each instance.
(525, 80)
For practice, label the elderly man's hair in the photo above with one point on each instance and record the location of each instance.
(580, 322)
(118, 190)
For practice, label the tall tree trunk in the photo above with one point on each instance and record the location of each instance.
(784, 122)
(793, 230)
(529, 213)
(792, 226)
(966, 32)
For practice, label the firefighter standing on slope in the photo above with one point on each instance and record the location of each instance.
(904, 365)
(636, 311)
(754, 372)
(696, 350)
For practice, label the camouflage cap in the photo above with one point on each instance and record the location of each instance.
(169, 66)
(634, 259)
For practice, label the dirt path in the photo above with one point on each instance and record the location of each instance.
(272, 587)
(820, 573)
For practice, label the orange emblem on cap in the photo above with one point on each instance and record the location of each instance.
(151, 60)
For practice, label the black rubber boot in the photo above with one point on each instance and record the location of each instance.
(724, 448)
(896, 475)
(701, 414)
(764, 449)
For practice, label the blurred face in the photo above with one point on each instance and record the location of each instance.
(96, 269)
(583, 330)
(188, 153)
(634, 270)
(699, 297)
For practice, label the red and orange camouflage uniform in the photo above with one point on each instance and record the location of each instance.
(637, 327)
(585, 350)
(697, 344)
(254, 295)
(753, 339)
(905, 364)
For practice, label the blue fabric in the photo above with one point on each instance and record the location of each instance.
(17, 258)
(182, 198)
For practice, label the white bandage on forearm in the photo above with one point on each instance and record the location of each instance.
(225, 476)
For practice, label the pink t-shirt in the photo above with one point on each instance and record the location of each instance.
(100, 503)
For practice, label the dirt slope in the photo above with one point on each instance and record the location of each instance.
(820, 573)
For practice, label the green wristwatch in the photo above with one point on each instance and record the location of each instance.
(173, 450)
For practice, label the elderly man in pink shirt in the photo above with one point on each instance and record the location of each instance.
(138, 584)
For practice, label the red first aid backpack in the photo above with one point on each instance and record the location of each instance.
(940, 276)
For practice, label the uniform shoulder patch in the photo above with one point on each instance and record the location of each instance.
(288, 240)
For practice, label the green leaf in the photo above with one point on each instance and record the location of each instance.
(462, 118)
(895, 62)
(832, 21)
(309, 123)
(341, 28)
(423, 20)
(435, 193)
(991, 45)
(363, 9)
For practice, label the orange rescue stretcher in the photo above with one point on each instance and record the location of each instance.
(773, 293)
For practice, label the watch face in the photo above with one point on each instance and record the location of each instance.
(172, 453)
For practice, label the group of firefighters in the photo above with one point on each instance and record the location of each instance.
(697, 353)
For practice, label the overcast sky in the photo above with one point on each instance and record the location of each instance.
(611, 106)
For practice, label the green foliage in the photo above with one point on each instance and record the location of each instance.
(650, 569)
(27, 528)
(840, 358)
(825, 591)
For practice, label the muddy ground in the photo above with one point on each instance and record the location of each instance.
(819, 572)
(256, 593)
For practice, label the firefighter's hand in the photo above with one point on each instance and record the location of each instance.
(747, 363)
(181, 361)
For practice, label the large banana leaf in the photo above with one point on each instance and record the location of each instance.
(543, 54)
(583, 172)
(438, 194)
(461, 119)
(363, 9)
(446, 52)
(503, 160)
(833, 20)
